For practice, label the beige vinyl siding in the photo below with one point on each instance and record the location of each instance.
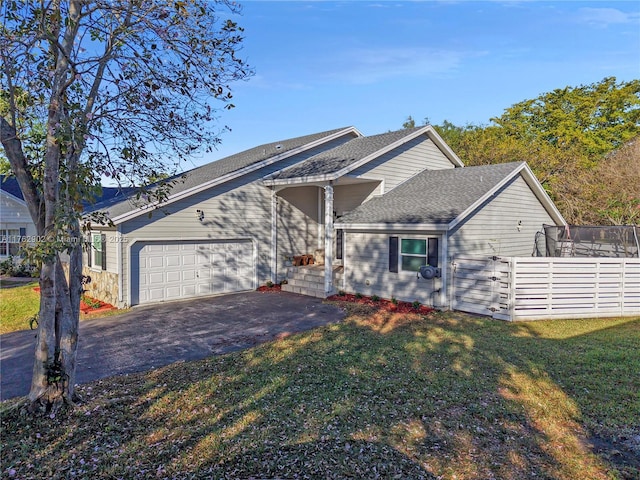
(348, 197)
(297, 223)
(493, 229)
(366, 268)
(404, 162)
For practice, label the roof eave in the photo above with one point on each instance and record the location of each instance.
(232, 175)
(427, 129)
(14, 198)
(439, 227)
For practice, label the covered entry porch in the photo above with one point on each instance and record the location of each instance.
(303, 217)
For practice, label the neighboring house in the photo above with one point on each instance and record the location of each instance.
(15, 222)
(377, 207)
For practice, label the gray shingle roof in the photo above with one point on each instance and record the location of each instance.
(10, 185)
(342, 156)
(432, 197)
(219, 168)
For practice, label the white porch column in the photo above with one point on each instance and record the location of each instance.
(328, 239)
(274, 236)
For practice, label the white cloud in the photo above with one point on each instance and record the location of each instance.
(370, 65)
(603, 17)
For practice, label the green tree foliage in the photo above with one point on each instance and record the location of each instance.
(567, 137)
(596, 118)
(102, 88)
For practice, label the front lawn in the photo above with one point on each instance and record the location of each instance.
(380, 395)
(17, 306)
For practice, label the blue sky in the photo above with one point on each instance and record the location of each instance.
(321, 65)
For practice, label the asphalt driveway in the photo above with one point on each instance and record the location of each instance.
(154, 336)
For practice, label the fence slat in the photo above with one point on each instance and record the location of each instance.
(525, 288)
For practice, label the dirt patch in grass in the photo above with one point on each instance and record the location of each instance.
(380, 395)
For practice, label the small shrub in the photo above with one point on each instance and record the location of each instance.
(269, 284)
(284, 282)
(342, 293)
(375, 298)
(416, 304)
(7, 267)
(358, 295)
(12, 269)
(91, 302)
(394, 300)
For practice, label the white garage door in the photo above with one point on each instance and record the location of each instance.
(173, 271)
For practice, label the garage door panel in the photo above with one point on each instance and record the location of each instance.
(173, 261)
(173, 292)
(189, 291)
(188, 275)
(156, 294)
(188, 259)
(173, 277)
(183, 270)
(155, 261)
(156, 278)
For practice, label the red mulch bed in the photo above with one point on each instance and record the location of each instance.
(382, 304)
(96, 306)
(273, 288)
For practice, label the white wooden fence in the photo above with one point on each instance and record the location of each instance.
(528, 288)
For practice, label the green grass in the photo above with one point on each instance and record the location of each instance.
(17, 306)
(379, 395)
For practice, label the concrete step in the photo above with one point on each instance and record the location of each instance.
(308, 291)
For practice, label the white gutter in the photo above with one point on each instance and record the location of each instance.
(435, 227)
(232, 175)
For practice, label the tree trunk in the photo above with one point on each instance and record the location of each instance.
(41, 396)
(54, 369)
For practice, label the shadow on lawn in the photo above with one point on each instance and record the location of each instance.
(377, 396)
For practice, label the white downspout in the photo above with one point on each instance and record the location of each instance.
(320, 231)
(119, 268)
(274, 236)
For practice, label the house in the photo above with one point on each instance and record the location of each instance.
(15, 220)
(374, 209)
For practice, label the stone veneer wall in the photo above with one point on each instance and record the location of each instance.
(103, 286)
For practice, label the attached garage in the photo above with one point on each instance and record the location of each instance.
(164, 271)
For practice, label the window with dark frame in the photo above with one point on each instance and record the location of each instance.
(409, 254)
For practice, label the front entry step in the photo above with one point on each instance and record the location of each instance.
(309, 280)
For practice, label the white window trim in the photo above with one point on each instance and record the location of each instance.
(425, 256)
(5, 236)
(93, 252)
